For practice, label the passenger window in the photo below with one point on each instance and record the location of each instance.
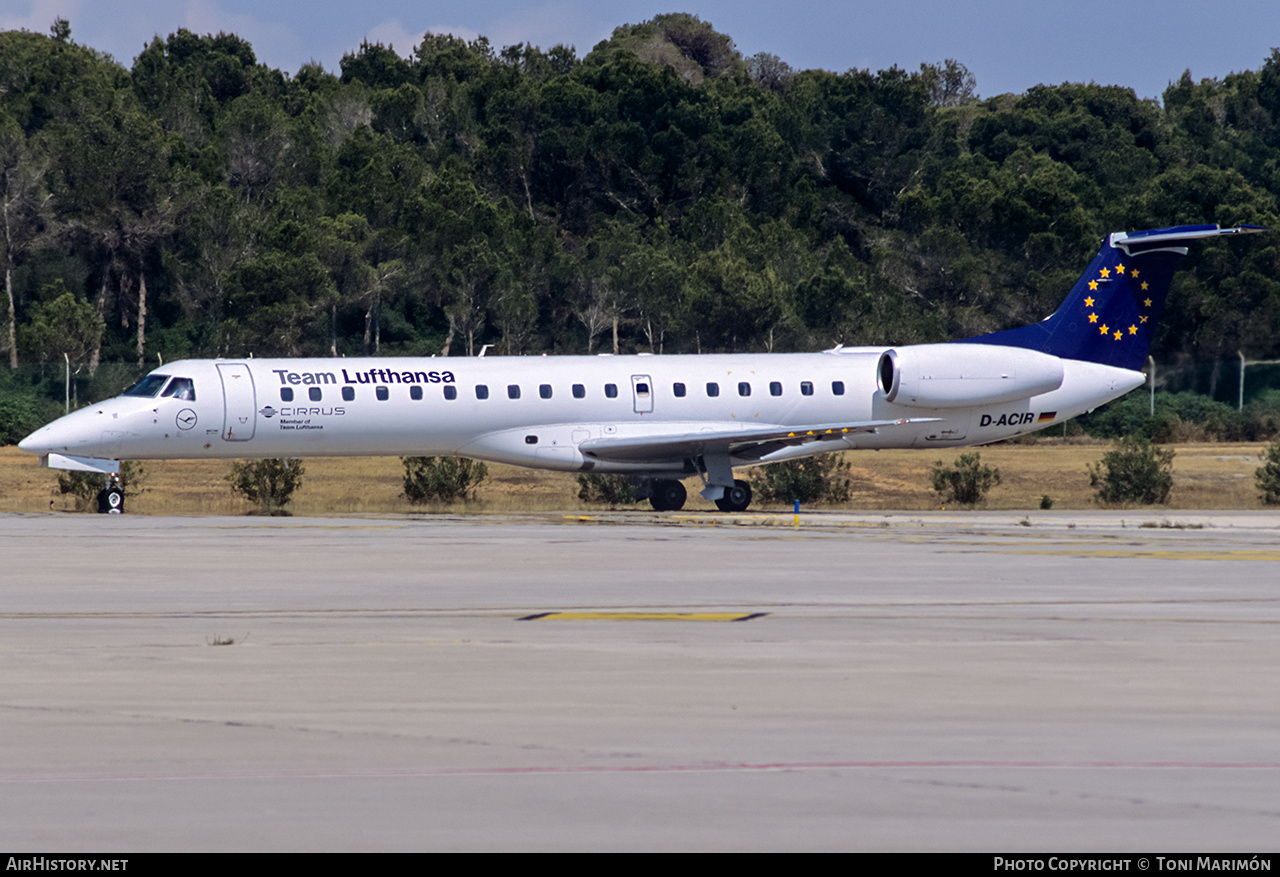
(642, 389)
(286, 394)
(314, 394)
(415, 393)
(713, 389)
(544, 390)
(348, 394)
(181, 388)
(482, 391)
(837, 388)
(611, 391)
(744, 389)
(579, 391)
(806, 388)
(678, 390)
(382, 393)
(513, 391)
(451, 393)
(775, 388)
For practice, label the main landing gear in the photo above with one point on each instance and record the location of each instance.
(729, 494)
(667, 496)
(736, 498)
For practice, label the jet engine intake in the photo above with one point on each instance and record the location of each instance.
(961, 375)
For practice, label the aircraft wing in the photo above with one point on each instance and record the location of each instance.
(751, 443)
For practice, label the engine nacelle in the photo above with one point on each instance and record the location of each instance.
(960, 375)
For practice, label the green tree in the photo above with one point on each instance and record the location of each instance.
(220, 232)
(769, 71)
(24, 211)
(186, 80)
(114, 194)
(280, 293)
(951, 85)
(22, 413)
(689, 45)
(259, 148)
(62, 325)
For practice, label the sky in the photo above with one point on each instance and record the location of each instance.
(1009, 45)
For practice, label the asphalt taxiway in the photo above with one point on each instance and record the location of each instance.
(957, 681)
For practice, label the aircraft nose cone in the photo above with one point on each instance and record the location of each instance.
(65, 433)
(35, 443)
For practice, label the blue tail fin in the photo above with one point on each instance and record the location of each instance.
(1111, 314)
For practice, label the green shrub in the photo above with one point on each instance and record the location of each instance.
(811, 479)
(1262, 416)
(966, 481)
(1134, 471)
(606, 489)
(1267, 476)
(269, 483)
(1179, 417)
(442, 479)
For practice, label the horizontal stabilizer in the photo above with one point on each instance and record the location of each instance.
(1132, 239)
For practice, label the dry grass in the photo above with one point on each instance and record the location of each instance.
(1206, 476)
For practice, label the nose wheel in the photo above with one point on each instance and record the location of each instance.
(111, 500)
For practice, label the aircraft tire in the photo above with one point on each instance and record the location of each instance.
(668, 496)
(111, 501)
(736, 498)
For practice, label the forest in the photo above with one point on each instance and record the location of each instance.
(659, 193)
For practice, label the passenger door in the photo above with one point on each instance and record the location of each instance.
(239, 401)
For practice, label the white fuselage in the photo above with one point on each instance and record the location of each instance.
(537, 411)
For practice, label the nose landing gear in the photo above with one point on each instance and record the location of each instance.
(111, 497)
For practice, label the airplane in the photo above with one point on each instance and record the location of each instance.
(658, 419)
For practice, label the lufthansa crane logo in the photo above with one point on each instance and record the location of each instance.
(186, 419)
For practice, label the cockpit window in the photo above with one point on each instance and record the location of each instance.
(148, 386)
(181, 388)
